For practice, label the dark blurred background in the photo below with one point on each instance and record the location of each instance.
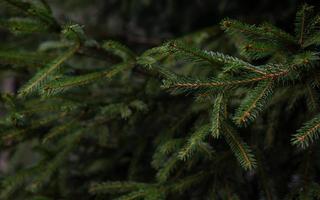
(148, 22)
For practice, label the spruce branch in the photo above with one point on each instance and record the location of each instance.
(254, 103)
(193, 143)
(123, 109)
(14, 135)
(189, 181)
(165, 171)
(42, 76)
(37, 10)
(240, 149)
(314, 39)
(20, 59)
(133, 195)
(57, 131)
(153, 55)
(134, 190)
(217, 116)
(115, 187)
(306, 135)
(258, 50)
(99, 53)
(60, 85)
(49, 106)
(164, 150)
(184, 51)
(312, 96)
(233, 26)
(49, 169)
(23, 25)
(187, 83)
(119, 49)
(82, 128)
(11, 183)
(253, 33)
(170, 146)
(305, 60)
(301, 22)
(272, 31)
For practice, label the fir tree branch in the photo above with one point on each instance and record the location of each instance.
(23, 25)
(314, 39)
(196, 84)
(15, 135)
(119, 49)
(218, 115)
(99, 53)
(258, 50)
(133, 195)
(254, 103)
(276, 32)
(10, 184)
(304, 60)
(302, 29)
(58, 130)
(20, 59)
(65, 83)
(42, 76)
(307, 134)
(254, 33)
(41, 12)
(165, 149)
(189, 181)
(165, 171)
(195, 54)
(115, 187)
(301, 23)
(240, 149)
(185, 51)
(312, 98)
(194, 142)
(50, 168)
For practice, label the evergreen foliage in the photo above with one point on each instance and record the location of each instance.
(181, 120)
